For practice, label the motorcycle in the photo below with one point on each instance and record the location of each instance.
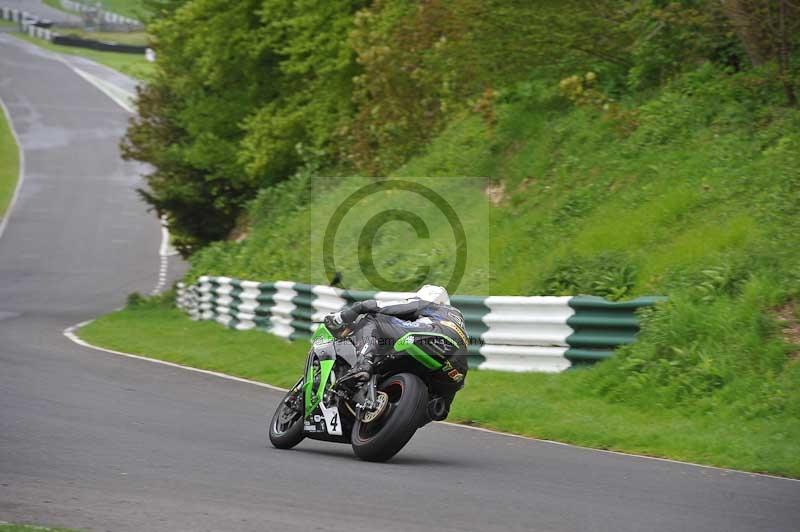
(377, 417)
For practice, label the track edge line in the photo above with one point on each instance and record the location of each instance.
(21, 174)
(69, 332)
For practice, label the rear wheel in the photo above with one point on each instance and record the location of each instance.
(381, 439)
(286, 426)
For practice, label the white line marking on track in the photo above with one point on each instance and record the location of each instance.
(21, 177)
(164, 251)
(69, 332)
(620, 453)
(120, 96)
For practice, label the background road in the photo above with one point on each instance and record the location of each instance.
(93, 440)
(42, 10)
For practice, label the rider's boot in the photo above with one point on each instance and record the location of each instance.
(362, 371)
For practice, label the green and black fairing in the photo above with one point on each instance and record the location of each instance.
(410, 386)
(323, 418)
(428, 349)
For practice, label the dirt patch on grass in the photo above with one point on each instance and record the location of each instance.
(496, 192)
(241, 230)
(790, 327)
(526, 183)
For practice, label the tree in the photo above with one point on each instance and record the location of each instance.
(238, 85)
(768, 30)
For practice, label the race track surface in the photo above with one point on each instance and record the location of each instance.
(98, 441)
(39, 9)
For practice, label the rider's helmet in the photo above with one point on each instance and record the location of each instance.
(434, 294)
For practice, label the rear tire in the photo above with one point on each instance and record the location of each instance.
(383, 438)
(286, 426)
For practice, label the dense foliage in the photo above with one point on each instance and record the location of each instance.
(239, 86)
(249, 91)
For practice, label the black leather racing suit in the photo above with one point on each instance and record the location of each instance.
(382, 325)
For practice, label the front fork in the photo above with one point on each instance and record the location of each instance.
(291, 397)
(371, 387)
(365, 398)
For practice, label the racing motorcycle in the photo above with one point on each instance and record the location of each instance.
(376, 417)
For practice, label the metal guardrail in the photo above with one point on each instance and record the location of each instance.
(39, 29)
(507, 333)
(103, 15)
(28, 23)
(71, 40)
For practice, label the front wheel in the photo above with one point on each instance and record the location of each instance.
(286, 426)
(381, 439)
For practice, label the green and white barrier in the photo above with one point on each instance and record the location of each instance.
(507, 333)
(26, 21)
(105, 16)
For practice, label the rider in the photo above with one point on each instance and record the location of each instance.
(382, 324)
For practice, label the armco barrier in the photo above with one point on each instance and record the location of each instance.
(27, 22)
(507, 333)
(71, 40)
(107, 16)
(30, 24)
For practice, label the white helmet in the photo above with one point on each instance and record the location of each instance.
(434, 294)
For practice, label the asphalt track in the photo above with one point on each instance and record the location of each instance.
(97, 441)
(40, 9)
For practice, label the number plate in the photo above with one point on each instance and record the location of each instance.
(333, 424)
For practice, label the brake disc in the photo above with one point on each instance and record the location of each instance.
(381, 402)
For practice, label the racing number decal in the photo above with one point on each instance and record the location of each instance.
(333, 424)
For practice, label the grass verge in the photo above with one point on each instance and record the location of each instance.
(56, 4)
(166, 333)
(128, 8)
(9, 163)
(133, 65)
(558, 407)
(10, 527)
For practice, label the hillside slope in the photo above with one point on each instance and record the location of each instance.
(693, 193)
(697, 184)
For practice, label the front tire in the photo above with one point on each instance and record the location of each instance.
(380, 440)
(286, 426)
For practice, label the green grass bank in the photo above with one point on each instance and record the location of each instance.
(129, 8)
(695, 184)
(9, 163)
(566, 407)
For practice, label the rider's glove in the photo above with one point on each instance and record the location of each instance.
(334, 322)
